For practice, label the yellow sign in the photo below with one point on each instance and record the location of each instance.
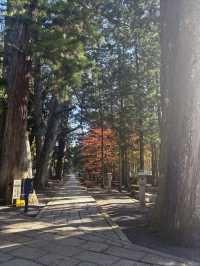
(20, 203)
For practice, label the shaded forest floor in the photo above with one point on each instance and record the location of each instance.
(134, 222)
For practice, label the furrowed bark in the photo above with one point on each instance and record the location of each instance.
(43, 166)
(18, 73)
(177, 203)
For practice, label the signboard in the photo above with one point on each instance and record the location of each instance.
(33, 200)
(17, 189)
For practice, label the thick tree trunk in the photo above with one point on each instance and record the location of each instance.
(154, 162)
(2, 123)
(62, 147)
(17, 66)
(42, 171)
(180, 148)
(44, 162)
(37, 110)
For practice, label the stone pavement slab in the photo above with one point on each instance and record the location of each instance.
(72, 230)
(130, 263)
(126, 253)
(53, 259)
(4, 257)
(19, 262)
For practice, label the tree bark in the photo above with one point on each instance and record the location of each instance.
(37, 110)
(17, 67)
(180, 148)
(139, 103)
(141, 141)
(154, 162)
(127, 176)
(42, 171)
(63, 141)
(60, 157)
(3, 104)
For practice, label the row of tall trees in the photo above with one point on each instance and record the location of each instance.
(122, 92)
(44, 51)
(69, 65)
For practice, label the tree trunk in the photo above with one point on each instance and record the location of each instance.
(139, 103)
(127, 176)
(63, 140)
(123, 168)
(141, 141)
(42, 171)
(154, 162)
(120, 169)
(180, 147)
(102, 155)
(60, 157)
(37, 110)
(3, 104)
(17, 67)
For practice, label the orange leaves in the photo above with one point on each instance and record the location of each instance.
(99, 145)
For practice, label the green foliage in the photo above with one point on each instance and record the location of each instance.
(123, 89)
(101, 56)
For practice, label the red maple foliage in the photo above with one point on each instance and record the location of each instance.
(91, 150)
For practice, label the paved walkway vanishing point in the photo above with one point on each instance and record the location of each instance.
(69, 231)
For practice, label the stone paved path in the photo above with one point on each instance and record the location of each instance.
(69, 231)
(134, 222)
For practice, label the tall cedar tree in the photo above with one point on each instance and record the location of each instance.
(180, 150)
(15, 152)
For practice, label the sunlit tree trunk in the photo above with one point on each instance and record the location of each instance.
(180, 148)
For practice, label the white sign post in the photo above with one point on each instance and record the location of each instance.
(16, 189)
